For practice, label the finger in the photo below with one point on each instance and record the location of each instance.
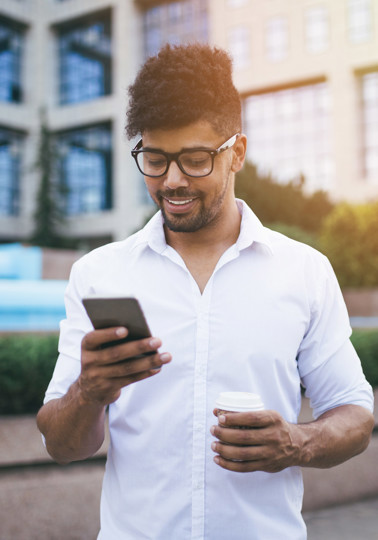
(239, 453)
(93, 340)
(129, 350)
(239, 466)
(251, 419)
(240, 437)
(138, 365)
(139, 347)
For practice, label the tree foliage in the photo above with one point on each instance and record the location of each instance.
(349, 238)
(48, 214)
(287, 203)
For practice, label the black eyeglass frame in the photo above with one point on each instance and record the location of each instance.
(174, 156)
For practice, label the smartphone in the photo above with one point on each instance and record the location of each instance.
(121, 311)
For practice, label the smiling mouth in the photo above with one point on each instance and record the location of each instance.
(180, 203)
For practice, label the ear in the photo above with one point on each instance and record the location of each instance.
(239, 153)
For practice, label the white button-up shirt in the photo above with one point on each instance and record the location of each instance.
(271, 316)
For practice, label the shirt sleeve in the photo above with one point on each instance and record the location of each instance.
(338, 381)
(72, 331)
(328, 364)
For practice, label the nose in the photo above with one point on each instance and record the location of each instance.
(174, 177)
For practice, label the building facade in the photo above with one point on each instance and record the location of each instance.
(307, 71)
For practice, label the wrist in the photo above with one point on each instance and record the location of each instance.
(300, 445)
(84, 398)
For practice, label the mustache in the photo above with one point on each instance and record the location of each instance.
(176, 193)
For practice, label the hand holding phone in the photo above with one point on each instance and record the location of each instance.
(105, 371)
(120, 311)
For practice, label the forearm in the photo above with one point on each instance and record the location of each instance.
(334, 437)
(73, 427)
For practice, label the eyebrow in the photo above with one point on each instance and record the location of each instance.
(185, 149)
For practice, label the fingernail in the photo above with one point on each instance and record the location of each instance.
(222, 419)
(212, 430)
(121, 331)
(154, 343)
(213, 446)
(165, 357)
(216, 459)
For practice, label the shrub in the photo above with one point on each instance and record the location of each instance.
(284, 203)
(349, 238)
(366, 345)
(26, 365)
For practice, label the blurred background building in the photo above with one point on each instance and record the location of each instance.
(307, 71)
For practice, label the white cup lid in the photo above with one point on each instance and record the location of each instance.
(239, 402)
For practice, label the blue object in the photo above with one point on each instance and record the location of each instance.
(20, 262)
(31, 305)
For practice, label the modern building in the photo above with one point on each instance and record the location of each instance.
(307, 71)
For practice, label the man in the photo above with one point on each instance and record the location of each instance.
(237, 306)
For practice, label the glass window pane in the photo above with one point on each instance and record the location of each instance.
(360, 20)
(317, 29)
(11, 145)
(11, 43)
(85, 61)
(177, 23)
(277, 38)
(85, 169)
(289, 134)
(238, 44)
(370, 126)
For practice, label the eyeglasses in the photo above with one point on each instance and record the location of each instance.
(195, 162)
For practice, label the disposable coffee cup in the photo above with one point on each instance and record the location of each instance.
(238, 402)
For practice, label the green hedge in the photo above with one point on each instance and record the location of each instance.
(27, 363)
(366, 345)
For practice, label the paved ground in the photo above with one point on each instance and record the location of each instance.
(357, 521)
(62, 504)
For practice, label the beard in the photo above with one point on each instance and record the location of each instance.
(188, 224)
(202, 217)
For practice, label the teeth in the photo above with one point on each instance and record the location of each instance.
(180, 202)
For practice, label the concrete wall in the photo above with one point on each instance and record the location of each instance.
(361, 302)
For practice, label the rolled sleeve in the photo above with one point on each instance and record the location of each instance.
(72, 331)
(338, 381)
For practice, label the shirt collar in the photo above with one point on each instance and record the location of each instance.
(251, 230)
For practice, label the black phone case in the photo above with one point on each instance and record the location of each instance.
(108, 312)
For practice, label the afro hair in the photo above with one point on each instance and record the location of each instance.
(181, 85)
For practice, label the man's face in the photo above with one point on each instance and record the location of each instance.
(189, 204)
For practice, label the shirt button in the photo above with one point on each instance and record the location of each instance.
(199, 428)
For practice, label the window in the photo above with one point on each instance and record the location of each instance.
(85, 169)
(176, 23)
(11, 43)
(317, 29)
(238, 40)
(277, 39)
(360, 20)
(370, 125)
(236, 3)
(10, 157)
(289, 134)
(85, 61)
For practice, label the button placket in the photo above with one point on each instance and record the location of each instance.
(199, 413)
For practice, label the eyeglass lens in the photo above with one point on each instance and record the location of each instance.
(197, 163)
